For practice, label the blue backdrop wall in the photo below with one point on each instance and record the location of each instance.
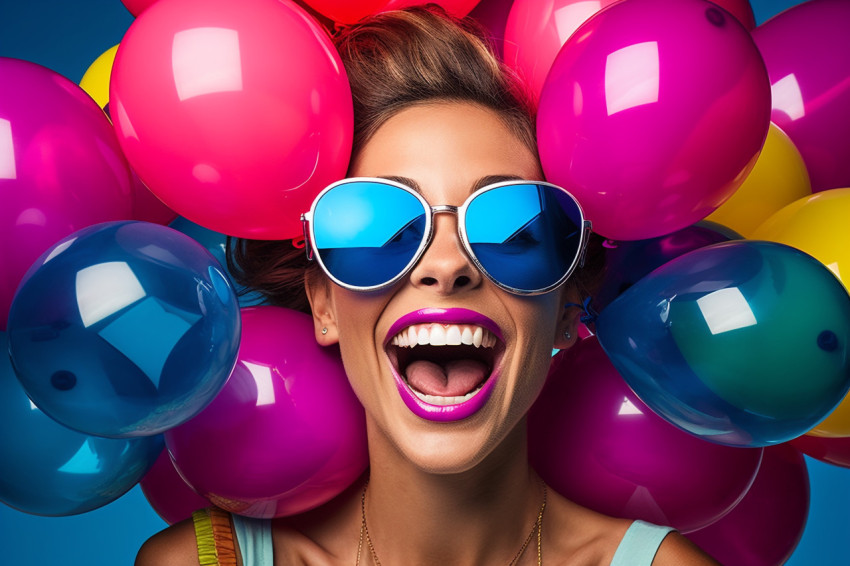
(67, 36)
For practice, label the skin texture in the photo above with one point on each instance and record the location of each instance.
(442, 493)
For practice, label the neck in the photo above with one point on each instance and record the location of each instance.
(479, 516)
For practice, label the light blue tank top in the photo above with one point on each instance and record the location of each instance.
(638, 547)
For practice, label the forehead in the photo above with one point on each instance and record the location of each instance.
(445, 147)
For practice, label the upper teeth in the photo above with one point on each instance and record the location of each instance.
(444, 335)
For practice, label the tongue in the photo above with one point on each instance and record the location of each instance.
(454, 379)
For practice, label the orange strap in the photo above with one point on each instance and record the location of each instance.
(214, 535)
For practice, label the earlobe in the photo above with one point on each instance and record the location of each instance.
(566, 331)
(321, 305)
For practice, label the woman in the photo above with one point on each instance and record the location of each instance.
(447, 341)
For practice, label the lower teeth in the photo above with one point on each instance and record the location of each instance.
(438, 400)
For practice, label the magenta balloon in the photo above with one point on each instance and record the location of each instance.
(807, 52)
(147, 207)
(286, 433)
(61, 168)
(835, 451)
(594, 442)
(170, 496)
(653, 114)
(493, 15)
(537, 29)
(765, 527)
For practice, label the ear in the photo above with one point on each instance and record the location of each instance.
(568, 320)
(318, 290)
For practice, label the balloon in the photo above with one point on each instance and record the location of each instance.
(765, 527)
(47, 469)
(818, 225)
(807, 53)
(743, 343)
(235, 114)
(835, 451)
(61, 168)
(596, 443)
(627, 262)
(124, 329)
(286, 433)
(95, 80)
(493, 15)
(347, 12)
(653, 114)
(537, 29)
(216, 244)
(778, 179)
(136, 7)
(168, 494)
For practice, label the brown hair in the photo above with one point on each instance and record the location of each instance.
(395, 60)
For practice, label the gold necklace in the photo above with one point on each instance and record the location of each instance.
(536, 528)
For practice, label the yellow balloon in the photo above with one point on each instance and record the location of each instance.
(818, 225)
(95, 81)
(778, 178)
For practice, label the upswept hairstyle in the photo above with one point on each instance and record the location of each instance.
(395, 60)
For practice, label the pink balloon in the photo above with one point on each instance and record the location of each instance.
(537, 29)
(235, 114)
(136, 7)
(348, 12)
(170, 496)
(807, 52)
(766, 526)
(835, 451)
(286, 433)
(61, 168)
(594, 442)
(653, 114)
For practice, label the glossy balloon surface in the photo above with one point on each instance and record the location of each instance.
(742, 343)
(124, 329)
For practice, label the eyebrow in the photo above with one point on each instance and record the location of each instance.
(482, 182)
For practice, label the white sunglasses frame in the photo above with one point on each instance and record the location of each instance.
(460, 212)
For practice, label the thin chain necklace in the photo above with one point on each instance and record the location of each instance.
(536, 528)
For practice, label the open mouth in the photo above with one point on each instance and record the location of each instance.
(445, 364)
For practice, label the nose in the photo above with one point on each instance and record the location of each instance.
(445, 268)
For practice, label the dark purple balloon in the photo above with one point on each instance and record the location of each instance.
(594, 442)
(628, 261)
(61, 168)
(835, 451)
(168, 494)
(807, 53)
(766, 526)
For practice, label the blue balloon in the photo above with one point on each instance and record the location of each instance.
(216, 244)
(48, 469)
(743, 343)
(124, 329)
(626, 262)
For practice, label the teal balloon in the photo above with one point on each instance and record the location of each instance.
(48, 469)
(216, 243)
(124, 329)
(743, 343)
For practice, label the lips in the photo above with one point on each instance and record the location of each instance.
(445, 361)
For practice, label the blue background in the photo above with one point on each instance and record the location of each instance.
(66, 36)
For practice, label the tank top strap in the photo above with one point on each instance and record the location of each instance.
(254, 540)
(640, 544)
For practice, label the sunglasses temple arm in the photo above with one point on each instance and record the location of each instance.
(307, 247)
(585, 238)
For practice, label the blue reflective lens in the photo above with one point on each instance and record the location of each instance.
(525, 236)
(366, 232)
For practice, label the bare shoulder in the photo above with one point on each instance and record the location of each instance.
(174, 546)
(677, 549)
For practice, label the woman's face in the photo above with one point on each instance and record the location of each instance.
(444, 407)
